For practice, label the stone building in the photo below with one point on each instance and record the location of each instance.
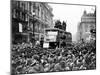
(29, 19)
(87, 24)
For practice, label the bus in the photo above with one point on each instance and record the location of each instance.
(54, 37)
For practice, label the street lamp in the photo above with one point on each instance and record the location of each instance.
(33, 15)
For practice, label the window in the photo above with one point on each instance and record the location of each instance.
(26, 5)
(17, 14)
(20, 4)
(17, 3)
(38, 10)
(23, 16)
(29, 6)
(14, 13)
(20, 15)
(36, 28)
(42, 14)
(20, 27)
(26, 17)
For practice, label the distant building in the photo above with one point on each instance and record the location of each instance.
(87, 24)
(29, 19)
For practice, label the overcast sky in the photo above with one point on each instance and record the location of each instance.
(71, 14)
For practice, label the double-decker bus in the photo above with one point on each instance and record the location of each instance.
(54, 37)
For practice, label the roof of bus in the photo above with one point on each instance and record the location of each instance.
(57, 29)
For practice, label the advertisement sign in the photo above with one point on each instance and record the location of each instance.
(52, 33)
(51, 36)
(45, 45)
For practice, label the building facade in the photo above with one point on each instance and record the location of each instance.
(29, 19)
(87, 27)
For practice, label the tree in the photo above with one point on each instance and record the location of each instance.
(64, 25)
(58, 24)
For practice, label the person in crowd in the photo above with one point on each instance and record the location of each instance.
(37, 44)
(42, 41)
(63, 44)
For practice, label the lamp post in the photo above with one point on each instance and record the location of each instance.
(33, 15)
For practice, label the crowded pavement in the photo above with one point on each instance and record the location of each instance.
(27, 59)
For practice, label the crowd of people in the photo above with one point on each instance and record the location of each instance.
(27, 59)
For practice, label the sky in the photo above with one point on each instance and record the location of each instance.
(71, 14)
